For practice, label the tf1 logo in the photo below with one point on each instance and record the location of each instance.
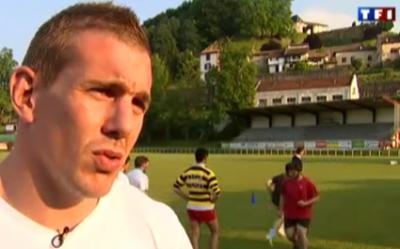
(376, 14)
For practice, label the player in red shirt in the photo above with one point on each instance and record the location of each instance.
(297, 198)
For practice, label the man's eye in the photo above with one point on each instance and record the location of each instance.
(139, 103)
(103, 91)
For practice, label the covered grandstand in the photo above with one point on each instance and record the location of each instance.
(347, 124)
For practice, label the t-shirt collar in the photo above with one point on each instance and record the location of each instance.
(201, 165)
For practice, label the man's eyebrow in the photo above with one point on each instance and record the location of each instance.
(105, 83)
(119, 86)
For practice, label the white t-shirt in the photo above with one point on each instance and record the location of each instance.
(125, 218)
(138, 179)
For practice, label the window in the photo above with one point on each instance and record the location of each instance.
(207, 57)
(337, 97)
(344, 59)
(207, 66)
(262, 102)
(291, 100)
(369, 57)
(352, 58)
(277, 101)
(306, 99)
(321, 98)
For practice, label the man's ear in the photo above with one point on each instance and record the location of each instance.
(21, 92)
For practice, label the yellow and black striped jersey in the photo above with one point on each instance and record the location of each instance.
(200, 183)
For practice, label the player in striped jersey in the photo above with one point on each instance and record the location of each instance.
(202, 191)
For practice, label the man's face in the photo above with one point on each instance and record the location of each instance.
(88, 120)
(145, 166)
(292, 173)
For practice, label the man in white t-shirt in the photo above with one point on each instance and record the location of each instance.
(81, 94)
(137, 177)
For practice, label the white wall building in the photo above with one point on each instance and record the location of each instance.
(272, 61)
(209, 58)
(388, 48)
(299, 90)
(369, 57)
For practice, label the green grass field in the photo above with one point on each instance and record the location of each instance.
(359, 206)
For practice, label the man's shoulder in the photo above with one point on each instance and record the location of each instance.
(154, 211)
(132, 196)
(134, 173)
(279, 177)
(198, 168)
(308, 180)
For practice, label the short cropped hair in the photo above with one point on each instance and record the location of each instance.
(293, 166)
(299, 149)
(50, 48)
(201, 154)
(140, 160)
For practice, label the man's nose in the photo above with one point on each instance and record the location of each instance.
(122, 119)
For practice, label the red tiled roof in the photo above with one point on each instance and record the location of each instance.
(214, 47)
(270, 53)
(269, 85)
(297, 50)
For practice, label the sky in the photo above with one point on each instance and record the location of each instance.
(19, 19)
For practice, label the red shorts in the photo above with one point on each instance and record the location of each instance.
(202, 216)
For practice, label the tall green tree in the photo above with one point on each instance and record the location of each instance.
(188, 37)
(253, 17)
(279, 24)
(192, 97)
(234, 85)
(7, 65)
(159, 116)
(163, 42)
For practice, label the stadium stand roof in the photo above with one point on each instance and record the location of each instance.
(340, 106)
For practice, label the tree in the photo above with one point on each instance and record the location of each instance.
(188, 37)
(163, 42)
(385, 26)
(159, 116)
(234, 85)
(190, 95)
(314, 41)
(356, 64)
(252, 17)
(280, 23)
(302, 66)
(7, 65)
(396, 64)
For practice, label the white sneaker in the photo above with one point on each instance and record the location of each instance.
(270, 236)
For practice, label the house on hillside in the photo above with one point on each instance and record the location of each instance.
(388, 48)
(209, 58)
(271, 61)
(318, 58)
(298, 89)
(368, 56)
(277, 60)
(295, 53)
(302, 26)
